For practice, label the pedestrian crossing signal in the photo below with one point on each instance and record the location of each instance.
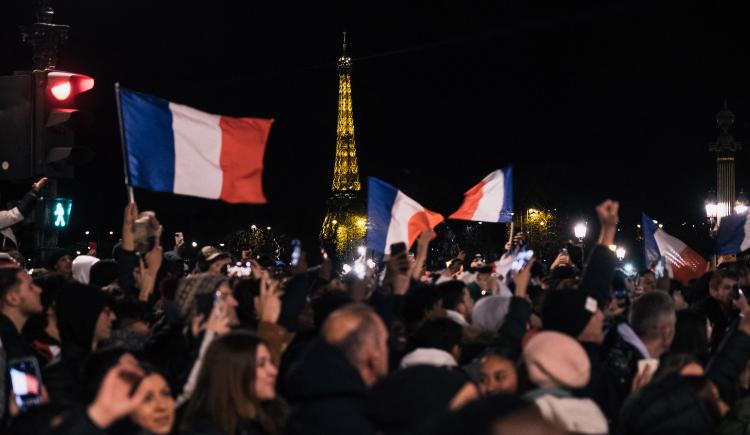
(57, 213)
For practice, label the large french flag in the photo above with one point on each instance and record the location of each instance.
(393, 217)
(733, 235)
(682, 261)
(489, 201)
(175, 148)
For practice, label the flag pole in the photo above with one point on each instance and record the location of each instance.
(123, 146)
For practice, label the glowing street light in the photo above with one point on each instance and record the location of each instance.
(620, 253)
(195, 244)
(741, 205)
(580, 231)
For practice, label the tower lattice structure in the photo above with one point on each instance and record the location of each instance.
(345, 221)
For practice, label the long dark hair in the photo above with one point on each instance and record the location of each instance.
(224, 394)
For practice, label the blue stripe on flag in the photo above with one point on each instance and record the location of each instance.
(380, 199)
(506, 213)
(731, 234)
(149, 141)
(648, 228)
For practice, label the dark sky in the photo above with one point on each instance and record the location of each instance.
(587, 100)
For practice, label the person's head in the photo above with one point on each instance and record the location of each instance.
(722, 286)
(555, 360)
(413, 399)
(497, 374)
(327, 303)
(441, 333)
(422, 302)
(219, 263)
(456, 297)
(573, 312)
(236, 382)
(196, 295)
(20, 298)
(84, 316)
(647, 281)
(104, 273)
(652, 317)
(490, 311)
(691, 334)
(455, 266)
(81, 268)
(61, 261)
(156, 414)
(362, 336)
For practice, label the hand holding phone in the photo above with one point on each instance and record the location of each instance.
(26, 382)
(522, 259)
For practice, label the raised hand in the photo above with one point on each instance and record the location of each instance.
(114, 399)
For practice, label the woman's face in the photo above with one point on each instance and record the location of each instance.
(265, 374)
(498, 375)
(156, 413)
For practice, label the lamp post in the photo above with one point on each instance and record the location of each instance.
(580, 231)
(620, 253)
(712, 212)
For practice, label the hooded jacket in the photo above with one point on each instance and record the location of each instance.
(327, 393)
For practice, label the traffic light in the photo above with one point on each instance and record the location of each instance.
(37, 110)
(56, 213)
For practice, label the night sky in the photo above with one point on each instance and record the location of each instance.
(587, 100)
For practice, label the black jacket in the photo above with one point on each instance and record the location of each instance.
(598, 274)
(621, 363)
(327, 394)
(603, 387)
(719, 317)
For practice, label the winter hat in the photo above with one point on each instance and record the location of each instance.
(104, 273)
(55, 255)
(409, 399)
(489, 312)
(568, 311)
(674, 404)
(554, 360)
(78, 307)
(192, 287)
(82, 268)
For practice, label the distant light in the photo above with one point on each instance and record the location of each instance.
(480, 223)
(334, 222)
(740, 209)
(221, 244)
(655, 221)
(347, 268)
(359, 269)
(620, 253)
(629, 269)
(195, 244)
(111, 233)
(638, 226)
(361, 250)
(253, 227)
(78, 252)
(87, 232)
(268, 228)
(661, 225)
(371, 264)
(580, 230)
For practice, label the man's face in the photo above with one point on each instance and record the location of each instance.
(64, 265)
(648, 282)
(723, 293)
(29, 295)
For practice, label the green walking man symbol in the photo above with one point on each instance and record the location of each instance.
(60, 214)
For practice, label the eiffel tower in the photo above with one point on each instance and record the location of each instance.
(345, 222)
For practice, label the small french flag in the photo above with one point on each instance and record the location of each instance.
(489, 201)
(393, 217)
(175, 148)
(733, 235)
(682, 261)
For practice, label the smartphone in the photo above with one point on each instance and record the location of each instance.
(296, 252)
(398, 248)
(26, 382)
(564, 251)
(240, 269)
(522, 259)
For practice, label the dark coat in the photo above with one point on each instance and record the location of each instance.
(603, 387)
(327, 394)
(621, 364)
(205, 427)
(719, 317)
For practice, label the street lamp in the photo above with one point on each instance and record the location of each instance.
(580, 231)
(620, 253)
(740, 206)
(712, 211)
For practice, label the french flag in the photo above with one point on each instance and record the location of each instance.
(393, 217)
(489, 201)
(175, 148)
(682, 262)
(733, 235)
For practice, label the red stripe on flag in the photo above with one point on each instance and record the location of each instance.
(692, 266)
(243, 144)
(421, 221)
(470, 204)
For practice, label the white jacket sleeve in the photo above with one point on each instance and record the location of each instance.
(10, 217)
(187, 391)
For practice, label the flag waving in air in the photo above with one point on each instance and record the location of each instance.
(683, 262)
(170, 147)
(393, 217)
(489, 201)
(733, 236)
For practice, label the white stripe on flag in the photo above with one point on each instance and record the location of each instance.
(671, 248)
(398, 229)
(493, 194)
(197, 152)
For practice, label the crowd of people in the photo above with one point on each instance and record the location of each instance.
(155, 342)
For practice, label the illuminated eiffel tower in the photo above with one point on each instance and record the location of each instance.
(345, 222)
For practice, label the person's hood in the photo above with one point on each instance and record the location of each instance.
(82, 268)
(489, 312)
(581, 416)
(428, 356)
(78, 308)
(323, 371)
(456, 317)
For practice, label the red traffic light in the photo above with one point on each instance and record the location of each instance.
(62, 85)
